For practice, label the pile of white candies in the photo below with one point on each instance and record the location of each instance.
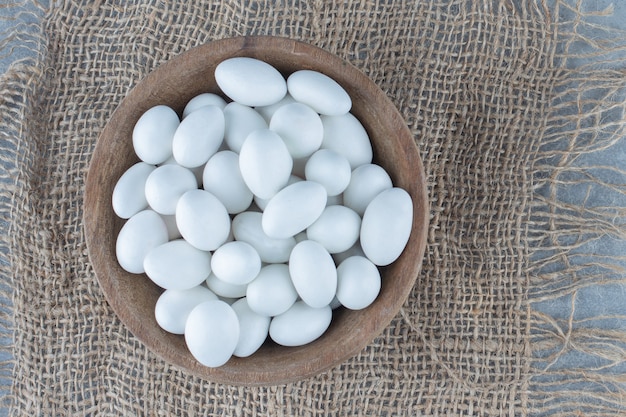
(258, 216)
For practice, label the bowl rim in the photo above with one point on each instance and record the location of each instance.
(295, 363)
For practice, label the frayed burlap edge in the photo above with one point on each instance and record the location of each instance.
(22, 44)
(579, 350)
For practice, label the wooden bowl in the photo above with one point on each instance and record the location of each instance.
(133, 297)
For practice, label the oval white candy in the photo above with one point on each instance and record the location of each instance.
(230, 236)
(330, 169)
(202, 220)
(196, 171)
(298, 167)
(236, 262)
(222, 177)
(129, 196)
(268, 111)
(386, 226)
(250, 81)
(301, 324)
(198, 137)
(319, 91)
(172, 229)
(240, 122)
(301, 236)
(225, 289)
(272, 292)
(335, 304)
(253, 329)
(335, 200)
(358, 282)
(212, 332)
(265, 163)
(247, 227)
(366, 182)
(293, 209)
(337, 228)
(228, 300)
(153, 134)
(355, 250)
(139, 235)
(300, 127)
(177, 265)
(346, 135)
(202, 100)
(313, 273)
(166, 184)
(173, 307)
(262, 202)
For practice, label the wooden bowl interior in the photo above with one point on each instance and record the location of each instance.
(133, 297)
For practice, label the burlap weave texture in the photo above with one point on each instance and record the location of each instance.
(472, 79)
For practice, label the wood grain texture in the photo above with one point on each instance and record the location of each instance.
(133, 297)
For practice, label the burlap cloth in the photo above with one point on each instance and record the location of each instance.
(475, 82)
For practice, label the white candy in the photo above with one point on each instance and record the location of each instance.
(212, 332)
(173, 307)
(129, 196)
(358, 282)
(272, 292)
(177, 265)
(335, 304)
(139, 235)
(313, 273)
(247, 227)
(222, 177)
(240, 122)
(355, 250)
(201, 100)
(198, 137)
(172, 229)
(254, 329)
(268, 111)
(319, 91)
(262, 202)
(301, 236)
(298, 167)
(196, 171)
(337, 229)
(236, 263)
(225, 289)
(386, 226)
(202, 220)
(166, 184)
(229, 301)
(250, 81)
(301, 324)
(334, 200)
(366, 182)
(265, 163)
(330, 169)
(300, 127)
(153, 134)
(346, 135)
(293, 209)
